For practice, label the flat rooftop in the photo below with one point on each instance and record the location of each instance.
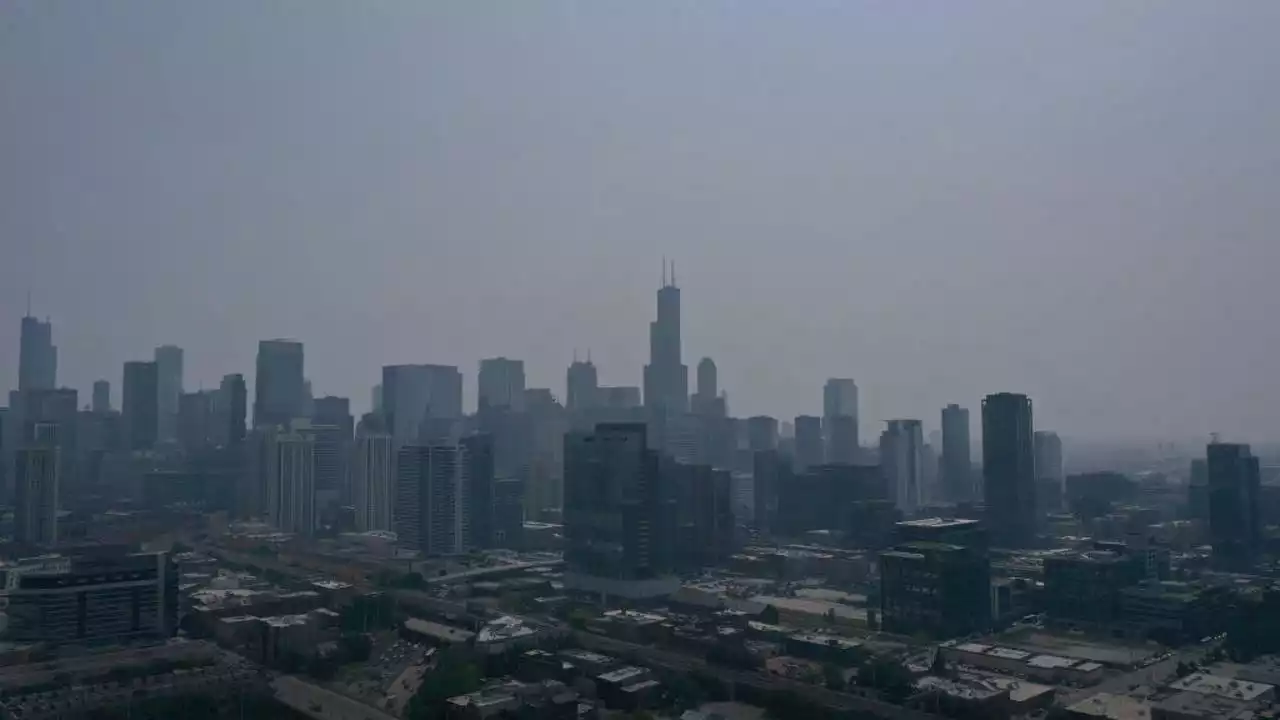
(939, 522)
(1206, 684)
(1112, 707)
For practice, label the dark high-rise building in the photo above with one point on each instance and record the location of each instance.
(842, 439)
(1050, 478)
(840, 399)
(1008, 468)
(666, 377)
(336, 412)
(140, 405)
(508, 514)
(824, 497)
(431, 513)
(234, 406)
(582, 386)
(101, 396)
(102, 599)
(1086, 587)
(771, 473)
(37, 356)
(196, 418)
(707, 401)
(501, 384)
(613, 510)
(481, 502)
(938, 589)
(809, 446)
(279, 393)
(168, 359)
(1234, 524)
(762, 433)
(35, 511)
(1198, 491)
(952, 531)
(704, 522)
(957, 467)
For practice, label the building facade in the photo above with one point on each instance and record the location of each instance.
(140, 405)
(957, 465)
(1008, 469)
(279, 393)
(372, 484)
(169, 361)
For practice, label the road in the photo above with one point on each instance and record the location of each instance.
(321, 704)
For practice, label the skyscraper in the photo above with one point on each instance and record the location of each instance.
(957, 466)
(335, 411)
(140, 405)
(375, 398)
(480, 489)
(762, 433)
(1235, 527)
(1049, 475)
(331, 449)
(809, 450)
(431, 513)
(37, 356)
(707, 401)
(168, 359)
(1008, 468)
(371, 480)
(35, 511)
(278, 392)
(101, 396)
(501, 384)
(840, 399)
(613, 513)
(233, 408)
(583, 386)
(291, 490)
(196, 419)
(902, 462)
(414, 394)
(666, 378)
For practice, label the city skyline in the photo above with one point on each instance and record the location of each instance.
(874, 207)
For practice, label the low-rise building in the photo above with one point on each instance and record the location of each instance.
(1105, 706)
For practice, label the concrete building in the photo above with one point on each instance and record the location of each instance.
(291, 488)
(101, 396)
(169, 361)
(957, 467)
(508, 514)
(432, 514)
(98, 599)
(279, 394)
(762, 433)
(1008, 467)
(902, 462)
(501, 384)
(666, 377)
(372, 484)
(233, 400)
(140, 405)
(707, 401)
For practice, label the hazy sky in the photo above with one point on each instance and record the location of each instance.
(1079, 200)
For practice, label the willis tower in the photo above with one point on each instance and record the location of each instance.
(666, 379)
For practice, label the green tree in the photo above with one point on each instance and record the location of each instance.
(833, 677)
(454, 675)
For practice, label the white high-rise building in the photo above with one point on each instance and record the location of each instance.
(168, 359)
(371, 481)
(432, 511)
(903, 463)
(291, 486)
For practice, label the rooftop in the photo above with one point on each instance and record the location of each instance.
(1194, 704)
(504, 628)
(623, 675)
(1206, 684)
(1112, 707)
(435, 630)
(938, 522)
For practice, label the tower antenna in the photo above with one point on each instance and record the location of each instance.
(664, 271)
(28, 302)
(673, 273)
